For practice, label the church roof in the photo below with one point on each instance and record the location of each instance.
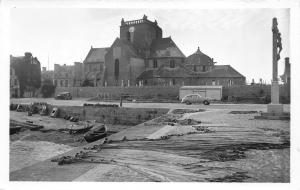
(96, 55)
(199, 58)
(220, 71)
(165, 72)
(165, 47)
(135, 52)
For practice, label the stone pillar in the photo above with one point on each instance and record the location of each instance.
(275, 108)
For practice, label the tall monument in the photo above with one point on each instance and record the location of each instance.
(275, 107)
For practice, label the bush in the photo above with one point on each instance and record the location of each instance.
(47, 89)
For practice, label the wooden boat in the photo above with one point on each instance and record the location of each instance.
(80, 130)
(96, 133)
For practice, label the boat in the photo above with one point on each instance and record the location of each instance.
(96, 133)
(80, 130)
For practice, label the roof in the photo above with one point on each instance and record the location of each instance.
(129, 46)
(200, 87)
(220, 71)
(165, 72)
(165, 47)
(96, 55)
(199, 58)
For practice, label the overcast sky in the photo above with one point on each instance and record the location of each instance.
(241, 38)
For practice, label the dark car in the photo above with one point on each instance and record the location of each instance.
(64, 96)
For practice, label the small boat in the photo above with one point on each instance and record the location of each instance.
(80, 130)
(96, 133)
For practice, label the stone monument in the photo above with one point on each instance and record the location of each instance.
(275, 108)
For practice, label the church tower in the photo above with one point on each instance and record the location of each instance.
(140, 32)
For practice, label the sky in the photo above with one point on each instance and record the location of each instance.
(241, 38)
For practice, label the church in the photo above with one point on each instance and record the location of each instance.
(142, 56)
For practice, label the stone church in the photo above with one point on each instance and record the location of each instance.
(142, 56)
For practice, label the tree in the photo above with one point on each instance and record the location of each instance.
(47, 89)
(87, 83)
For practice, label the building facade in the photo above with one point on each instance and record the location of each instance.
(28, 71)
(142, 56)
(94, 66)
(68, 75)
(14, 84)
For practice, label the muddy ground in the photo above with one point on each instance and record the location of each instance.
(224, 147)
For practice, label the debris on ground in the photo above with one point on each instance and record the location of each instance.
(188, 122)
(203, 129)
(27, 125)
(243, 112)
(183, 111)
(236, 177)
(237, 151)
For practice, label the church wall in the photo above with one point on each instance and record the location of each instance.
(117, 52)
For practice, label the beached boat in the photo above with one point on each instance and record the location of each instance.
(96, 133)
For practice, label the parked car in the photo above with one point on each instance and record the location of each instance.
(64, 96)
(195, 98)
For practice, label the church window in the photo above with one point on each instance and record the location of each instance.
(172, 63)
(128, 36)
(154, 63)
(116, 68)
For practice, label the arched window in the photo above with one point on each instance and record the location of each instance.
(128, 36)
(117, 68)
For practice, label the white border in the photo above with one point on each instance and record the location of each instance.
(294, 6)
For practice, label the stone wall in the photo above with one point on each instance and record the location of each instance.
(169, 92)
(111, 115)
(115, 92)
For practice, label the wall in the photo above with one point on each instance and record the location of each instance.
(115, 92)
(111, 115)
(167, 92)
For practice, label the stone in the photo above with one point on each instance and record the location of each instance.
(275, 109)
(275, 92)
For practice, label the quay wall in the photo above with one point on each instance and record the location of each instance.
(168, 92)
(110, 115)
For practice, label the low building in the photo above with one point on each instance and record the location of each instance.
(68, 75)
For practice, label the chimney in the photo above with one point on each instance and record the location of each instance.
(43, 69)
(28, 54)
(287, 60)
